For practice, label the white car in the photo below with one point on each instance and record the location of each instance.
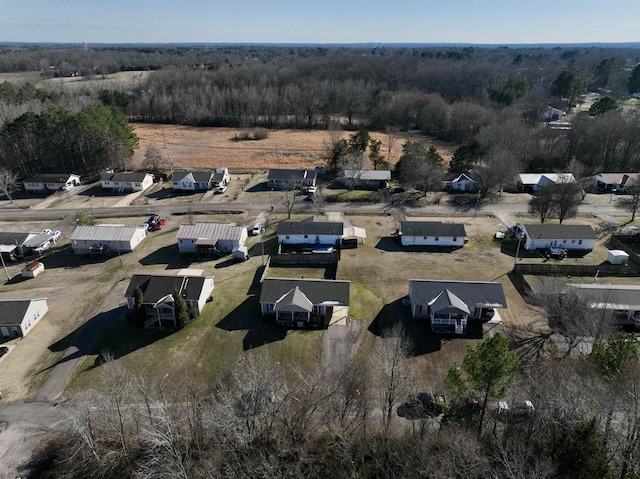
(221, 189)
(257, 229)
(56, 234)
(67, 187)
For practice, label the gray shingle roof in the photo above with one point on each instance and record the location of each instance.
(48, 178)
(13, 237)
(286, 175)
(472, 293)
(13, 311)
(155, 287)
(558, 231)
(127, 177)
(316, 290)
(431, 228)
(310, 228)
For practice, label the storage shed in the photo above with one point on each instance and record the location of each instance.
(616, 256)
(32, 269)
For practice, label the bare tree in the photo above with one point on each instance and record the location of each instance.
(153, 158)
(392, 132)
(290, 198)
(391, 372)
(567, 198)
(543, 204)
(8, 182)
(630, 201)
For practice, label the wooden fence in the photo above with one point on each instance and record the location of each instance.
(578, 270)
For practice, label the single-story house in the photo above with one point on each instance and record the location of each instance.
(305, 302)
(368, 179)
(617, 182)
(126, 181)
(534, 181)
(450, 305)
(553, 114)
(184, 180)
(622, 300)
(207, 238)
(113, 239)
(19, 316)
(467, 181)
(282, 179)
(310, 232)
(50, 182)
(544, 236)
(431, 233)
(11, 242)
(38, 242)
(158, 300)
(32, 269)
(220, 177)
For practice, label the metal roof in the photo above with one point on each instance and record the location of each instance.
(310, 228)
(103, 233)
(318, 291)
(608, 296)
(211, 231)
(558, 231)
(368, 175)
(13, 237)
(471, 293)
(36, 239)
(431, 228)
(536, 178)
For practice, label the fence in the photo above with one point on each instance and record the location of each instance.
(578, 270)
(305, 258)
(621, 242)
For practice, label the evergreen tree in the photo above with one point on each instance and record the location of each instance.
(181, 310)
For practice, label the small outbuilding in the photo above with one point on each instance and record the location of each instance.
(617, 256)
(32, 269)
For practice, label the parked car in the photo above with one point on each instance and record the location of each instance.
(310, 190)
(67, 187)
(221, 189)
(3, 350)
(56, 234)
(257, 229)
(153, 219)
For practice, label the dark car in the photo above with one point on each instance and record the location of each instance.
(3, 350)
(153, 219)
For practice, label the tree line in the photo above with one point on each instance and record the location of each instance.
(367, 417)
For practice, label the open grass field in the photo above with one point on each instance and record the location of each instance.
(193, 147)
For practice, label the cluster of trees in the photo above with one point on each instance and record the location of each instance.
(262, 419)
(61, 140)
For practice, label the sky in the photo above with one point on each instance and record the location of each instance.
(320, 21)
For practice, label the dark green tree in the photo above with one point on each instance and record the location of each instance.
(181, 310)
(359, 141)
(633, 84)
(579, 453)
(487, 368)
(465, 157)
(602, 72)
(603, 105)
(375, 156)
(138, 315)
(420, 166)
(616, 352)
(567, 85)
(512, 90)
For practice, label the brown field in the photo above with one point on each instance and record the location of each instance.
(193, 147)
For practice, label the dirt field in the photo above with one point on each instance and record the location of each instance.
(190, 147)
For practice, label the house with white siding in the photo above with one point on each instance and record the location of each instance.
(368, 179)
(106, 239)
(19, 316)
(580, 238)
(50, 182)
(286, 179)
(311, 233)
(196, 180)
(126, 181)
(432, 233)
(467, 181)
(305, 303)
(449, 306)
(534, 181)
(207, 238)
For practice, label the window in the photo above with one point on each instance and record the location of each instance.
(564, 241)
(579, 241)
(306, 236)
(455, 239)
(437, 239)
(573, 241)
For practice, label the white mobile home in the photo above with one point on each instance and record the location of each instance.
(544, 236)
(432, 233)
(310, 232)
(208, 237)
(112, 239)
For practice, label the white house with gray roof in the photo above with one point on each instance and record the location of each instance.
(206, 238)
(19, 316)
(287, 179)
(310, 232)
(195, 180)
(126, 181)
(431, 233)
(370, 179)
(304, 303)
(534, 181)
(544, 236)
(50, 182)
(450, 305)
(113, 239)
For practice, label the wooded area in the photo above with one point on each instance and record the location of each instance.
(492, 97)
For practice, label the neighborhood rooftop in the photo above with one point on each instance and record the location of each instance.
(316, 290)
(48, 178)
(431, 228)
(310, 228)
(211, 231)
(284, 174)
(472, 293)
(609, 296)
(368, 175)
(103, 233)
(559, 231)
(155, 287)
(13, 310)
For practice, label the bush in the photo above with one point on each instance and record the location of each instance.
(251, 135)
(85, 219)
